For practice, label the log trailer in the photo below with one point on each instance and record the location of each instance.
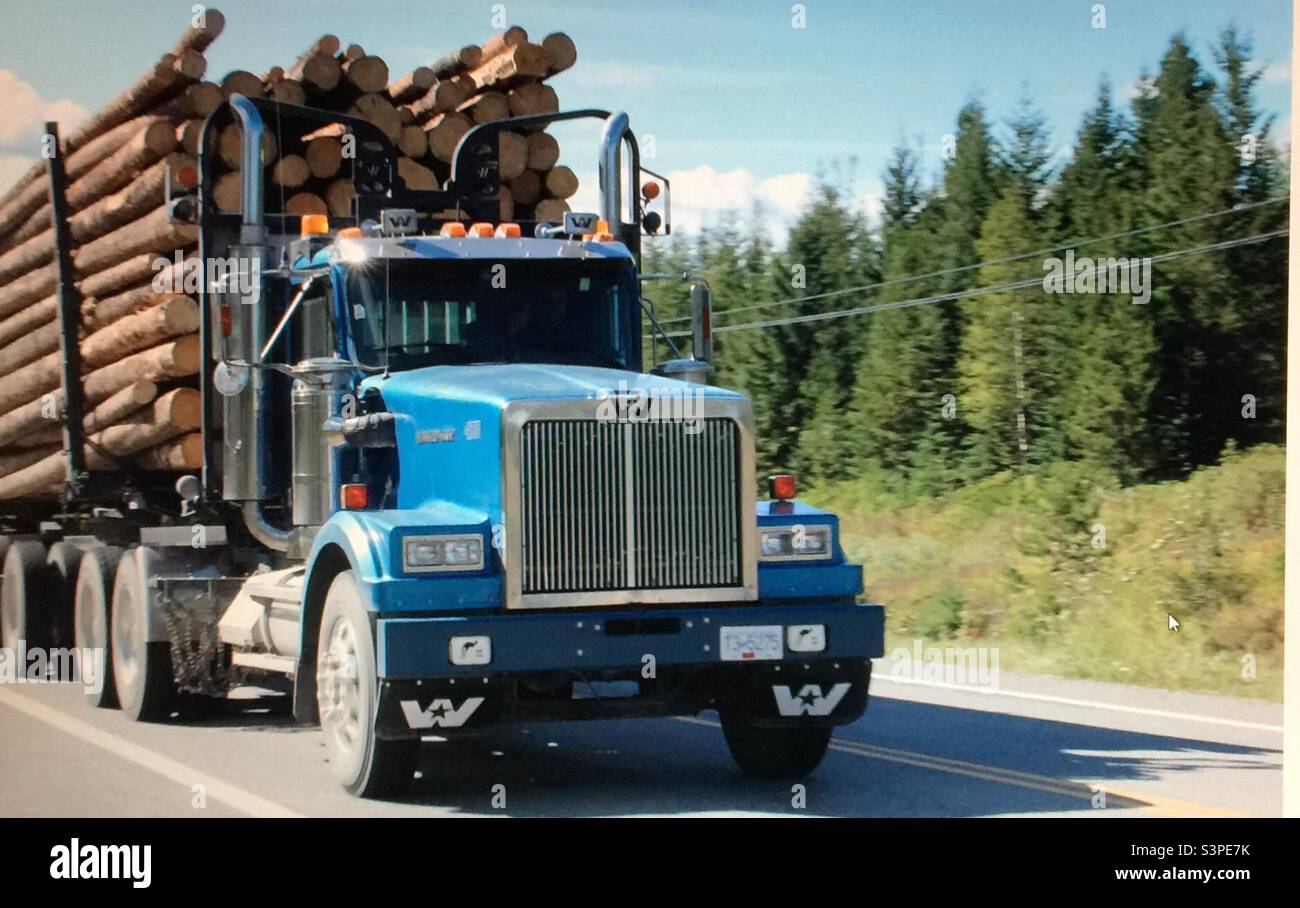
(439, 492)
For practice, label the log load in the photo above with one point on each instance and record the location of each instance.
(132, 262)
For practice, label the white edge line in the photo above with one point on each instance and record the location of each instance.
(1090, 704)
(217, 789)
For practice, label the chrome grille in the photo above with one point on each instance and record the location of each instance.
(616, 506)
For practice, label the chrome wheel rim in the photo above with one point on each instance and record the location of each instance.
(338, 688)
(126, 643)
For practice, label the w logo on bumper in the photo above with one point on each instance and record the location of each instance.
(810, 701)
(439, 713)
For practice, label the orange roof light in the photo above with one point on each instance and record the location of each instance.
(650, 190)
(350, 233)
(354, 496)
(480, 229)
(315, 224)
(452, 230)
(601, 233)
(782, 486)
(508, 231)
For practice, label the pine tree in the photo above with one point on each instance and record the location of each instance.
(1188, 169)
(812, 363)
(1026, 159)
(903, 414)
(1010, 353)
(1106, 376)
(1258, 271)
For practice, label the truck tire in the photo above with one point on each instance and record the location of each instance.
(347, 692)
(64, 561)
(92, 601)
(774, 753)
(25, 596)
(142, 671)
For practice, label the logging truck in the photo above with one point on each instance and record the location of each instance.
(439, 489)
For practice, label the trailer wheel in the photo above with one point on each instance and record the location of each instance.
(64, 561)
(347, 692)
(774, 753)
(142, 671)
(92, 601)
(25, 596)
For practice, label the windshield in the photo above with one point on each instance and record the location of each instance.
(411, 313)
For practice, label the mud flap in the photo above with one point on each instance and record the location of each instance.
(817, 694)
(440, 706)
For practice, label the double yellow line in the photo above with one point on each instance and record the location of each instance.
(1067, 788)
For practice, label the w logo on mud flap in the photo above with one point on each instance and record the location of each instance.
(440, 712)
(809, 701)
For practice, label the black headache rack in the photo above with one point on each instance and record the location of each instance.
(469, 195)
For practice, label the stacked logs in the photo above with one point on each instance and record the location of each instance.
(424, 113)
(139, 344)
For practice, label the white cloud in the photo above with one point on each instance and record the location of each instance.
(703, 196)
(11, 168)
(1276, 73)
(1141, 87)
(23, 111)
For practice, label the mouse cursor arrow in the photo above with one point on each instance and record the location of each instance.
(1173, 623)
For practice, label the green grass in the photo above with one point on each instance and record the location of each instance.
(1021, 563)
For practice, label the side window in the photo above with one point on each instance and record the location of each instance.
(317, 320)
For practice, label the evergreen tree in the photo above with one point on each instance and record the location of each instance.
(1025, 159)
(1257, 272)
(1010, 353)
(1106, 375)
(905, 425)
(829, 249)
(1189, 169)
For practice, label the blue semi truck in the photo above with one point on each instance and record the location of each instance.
(441, 491)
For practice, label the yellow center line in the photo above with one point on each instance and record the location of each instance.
(1069, 788)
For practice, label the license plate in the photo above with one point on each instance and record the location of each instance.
(750, 644)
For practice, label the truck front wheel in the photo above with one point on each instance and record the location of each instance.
(347, 692)
(774, 753)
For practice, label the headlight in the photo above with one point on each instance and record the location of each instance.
(794, 542)
(442, 553)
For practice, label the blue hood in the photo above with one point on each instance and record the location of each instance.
(449, 447)
(498, 385)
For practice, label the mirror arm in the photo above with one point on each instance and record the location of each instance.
(284, 319)
(658, 327)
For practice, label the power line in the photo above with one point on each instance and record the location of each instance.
(977, 291)
(962, 268)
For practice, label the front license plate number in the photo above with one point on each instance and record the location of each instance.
(755, 643)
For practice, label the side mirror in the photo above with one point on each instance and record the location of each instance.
(702, 321)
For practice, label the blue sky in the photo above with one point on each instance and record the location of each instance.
(739, 102)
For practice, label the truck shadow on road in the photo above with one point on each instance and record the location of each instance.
(902, 759)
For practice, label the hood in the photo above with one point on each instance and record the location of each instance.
(449, 441)
(499, 385)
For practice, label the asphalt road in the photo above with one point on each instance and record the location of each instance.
(1035, 747)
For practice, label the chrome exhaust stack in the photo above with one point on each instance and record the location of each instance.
(243, 384)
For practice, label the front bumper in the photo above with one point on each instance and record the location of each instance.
(551, 666)
(411, 648)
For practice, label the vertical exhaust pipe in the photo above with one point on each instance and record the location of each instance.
(246, 428)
